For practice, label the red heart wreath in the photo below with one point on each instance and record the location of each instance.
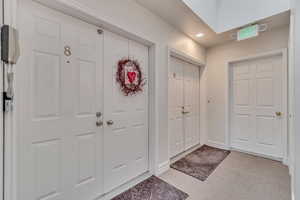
(130, 77)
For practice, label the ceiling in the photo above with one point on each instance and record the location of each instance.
(176, 13)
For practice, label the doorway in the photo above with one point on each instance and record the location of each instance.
(184, 106)
(258, 105)
(79, 137)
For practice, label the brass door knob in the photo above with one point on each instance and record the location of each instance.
(110, 122)
(278, 114)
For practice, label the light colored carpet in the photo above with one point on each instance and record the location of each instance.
(239, 177)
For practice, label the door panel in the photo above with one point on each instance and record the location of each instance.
(191, 105)
(242, 120)
(116, 169)
(196, 105)
(87, 100)
(188, 105)
(184, 106)
(176, 131)
(60, 147)
(257, 94)
(268, 102)
(126, 140)
(139, 112)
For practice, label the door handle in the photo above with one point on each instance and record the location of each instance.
(183, 112)
(110, 122)
(278, 114)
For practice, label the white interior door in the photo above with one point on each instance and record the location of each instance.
(59, 149)
(184, 106)
(191, 110)
(176, 131)
(257, 106)
(126, 137)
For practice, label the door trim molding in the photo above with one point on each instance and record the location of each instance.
(172, 52)
(9, 186)
(79, 11)
(284, 53)
(163, 167)
(2, 114)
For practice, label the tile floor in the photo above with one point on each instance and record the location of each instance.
(239, 177)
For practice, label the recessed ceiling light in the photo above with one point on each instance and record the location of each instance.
(200, 35)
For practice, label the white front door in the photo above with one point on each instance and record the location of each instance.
(257, 106)
(126, 117)
(59, 87)
(184, 106)
(62, 152)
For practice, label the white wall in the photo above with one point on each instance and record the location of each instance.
(130, 16)
(217, 59)
(206, 10)
(236, 13)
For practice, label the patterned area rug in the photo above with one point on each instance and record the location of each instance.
(152, 189)
(202, 162)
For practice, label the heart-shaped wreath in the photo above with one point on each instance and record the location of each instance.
(130, 77)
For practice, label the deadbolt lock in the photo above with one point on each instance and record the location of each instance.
(99, 123)
(98, 114)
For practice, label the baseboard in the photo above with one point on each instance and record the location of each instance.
(286, 161)
(162, 168)
(185, 153)
(258, 154)
(219, 145)
(291, 168)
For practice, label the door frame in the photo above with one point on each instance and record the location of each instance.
(172, 52)
(81, 12)
(228, 99)
(2, 112)
(8, 189)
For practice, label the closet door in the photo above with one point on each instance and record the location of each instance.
(191, 105)
(184, 106)
(194, 105)
(258, 94)
(126, 117)
(176, 132)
